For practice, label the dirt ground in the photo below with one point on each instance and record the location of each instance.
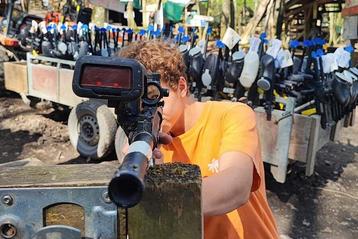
(322, 206)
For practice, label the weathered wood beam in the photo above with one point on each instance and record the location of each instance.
(171, 205)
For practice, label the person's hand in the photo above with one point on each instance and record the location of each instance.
(163, 139)
(122, 145)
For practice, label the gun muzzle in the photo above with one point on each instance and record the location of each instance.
(127, 185)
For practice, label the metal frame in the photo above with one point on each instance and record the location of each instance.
(16, 208)
(59, 63)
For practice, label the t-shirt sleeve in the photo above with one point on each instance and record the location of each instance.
(240, 134)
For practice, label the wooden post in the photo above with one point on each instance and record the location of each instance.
(308, 20)
(171, 205)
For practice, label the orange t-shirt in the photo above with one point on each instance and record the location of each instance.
(223, 127)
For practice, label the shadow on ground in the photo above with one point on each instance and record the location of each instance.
(303, 199)
(12, 149)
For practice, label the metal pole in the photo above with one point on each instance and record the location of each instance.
(9, 11)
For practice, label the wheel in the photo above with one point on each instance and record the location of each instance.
(121, 144)
(92, 127)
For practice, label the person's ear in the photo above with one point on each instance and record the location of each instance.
(182, 86)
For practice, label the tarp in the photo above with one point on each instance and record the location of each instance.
(173, 11)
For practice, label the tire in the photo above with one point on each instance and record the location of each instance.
(120, 144)
(92, 127)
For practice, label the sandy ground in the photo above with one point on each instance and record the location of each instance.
(322, 206)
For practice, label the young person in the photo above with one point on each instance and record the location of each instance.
(220, 137)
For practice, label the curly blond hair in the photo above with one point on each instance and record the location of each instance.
(158, 56)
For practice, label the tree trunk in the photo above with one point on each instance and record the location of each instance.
(269, 11)
(332, 28)
(259, 13)
(280, 19)
(308, 20)
(130, 18)
(224, 17)
(145, 14)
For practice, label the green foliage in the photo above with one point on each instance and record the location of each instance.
(215, 6)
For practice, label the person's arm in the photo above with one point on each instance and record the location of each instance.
(230, 187)
(238, 174)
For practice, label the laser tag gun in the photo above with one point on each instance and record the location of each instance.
(61, 45)
(321, 89)
(211, 72)
(221, 83)
(97, 41)
(150, 31)
(178, 37)
(252, 67)
(250, 70)
(231, 68)
(115, 33)
(156, 34)
(354, 70)
(84, 45)
(141, 34)
(28, 38)
(268, 70)
(184, 50)
(72, 43)
(194, 37)
(267, 82)
(46, 46)
(311, 47)
(123, 35)
(129, 33)
(234, 67)
(293, 45)
(235, 70)
(137, 99)
(196, 63)
(307, 52)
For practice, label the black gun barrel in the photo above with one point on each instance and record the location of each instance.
(127, 185)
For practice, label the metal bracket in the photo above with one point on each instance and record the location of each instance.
(23, 217)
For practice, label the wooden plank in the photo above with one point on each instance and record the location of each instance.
(57, 175)
(44, 82)
(268, 132)
(300, 136)
(353, 119)
(313, 145)
(16, 76)
(66, 95)
(275, 138)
